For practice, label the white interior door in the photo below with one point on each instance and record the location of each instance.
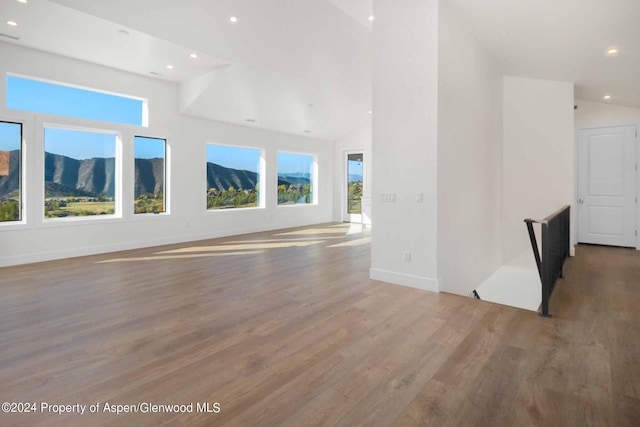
(607, 186)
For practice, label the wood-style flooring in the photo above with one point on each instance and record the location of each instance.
(286, 328)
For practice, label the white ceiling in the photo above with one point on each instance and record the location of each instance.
(304, 66)
(296, 66)
(563, 40)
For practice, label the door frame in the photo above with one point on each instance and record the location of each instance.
(344, 182)
(574, 215)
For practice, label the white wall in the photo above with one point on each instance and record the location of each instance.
(359, 140)
(405, 110)
(603, 114)
(189, 219)
(538, 156)
(469, 159)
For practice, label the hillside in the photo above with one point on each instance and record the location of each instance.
(149, 176)
(91, 176)
(65, 176)
(9, 184)
(222, 178)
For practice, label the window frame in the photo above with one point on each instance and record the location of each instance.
(166, 186)
(20, 118)
(314, 179)
(118, 215)
(261, 180)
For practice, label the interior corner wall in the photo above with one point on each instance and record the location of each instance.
(357, 140)
(538, 157)
(405, 120)
(189, 220)
(604, 114)
(469, 159)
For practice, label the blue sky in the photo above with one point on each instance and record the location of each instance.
(79, 144)
(249, 159)
(355, 168)
(43, 97)
(9, 136)
(149, 148)
(234, 157)
(294, 163)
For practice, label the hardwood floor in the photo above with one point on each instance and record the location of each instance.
(285, 328)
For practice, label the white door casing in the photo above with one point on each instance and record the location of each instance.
(606, 205)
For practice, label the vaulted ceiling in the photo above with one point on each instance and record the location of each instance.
(563, 40)
(296, 66)
(304, 66)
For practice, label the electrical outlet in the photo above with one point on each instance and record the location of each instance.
(419, 198)
(406, 256)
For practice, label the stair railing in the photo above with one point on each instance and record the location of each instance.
(555, 249)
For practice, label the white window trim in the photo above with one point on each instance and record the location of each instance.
(26, 122)
(261, 181)
(314, 180)
(72, 125)
(167, 178)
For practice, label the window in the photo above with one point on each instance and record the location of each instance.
(10, 171)
(149, 175)
(295, 178)
(79, 173)
(43, 97)
(233, 177)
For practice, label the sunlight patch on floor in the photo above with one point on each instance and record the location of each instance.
(297, 239)
(342, 229)
(312, 231)
(169, 257)
(243, 246)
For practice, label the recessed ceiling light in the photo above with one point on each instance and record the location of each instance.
(371, 18)
(612, 51)
(370, 112)
(607, 97)
(12, 23)
(169, 67)
(233, 19)
(194, 55)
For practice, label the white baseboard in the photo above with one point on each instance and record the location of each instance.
(125, 246)
(418, 282)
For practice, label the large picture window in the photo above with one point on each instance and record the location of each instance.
(150, 175)
(50, 98)
(233, 177)
(10, 171)
(295, 178)
(79, 173)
